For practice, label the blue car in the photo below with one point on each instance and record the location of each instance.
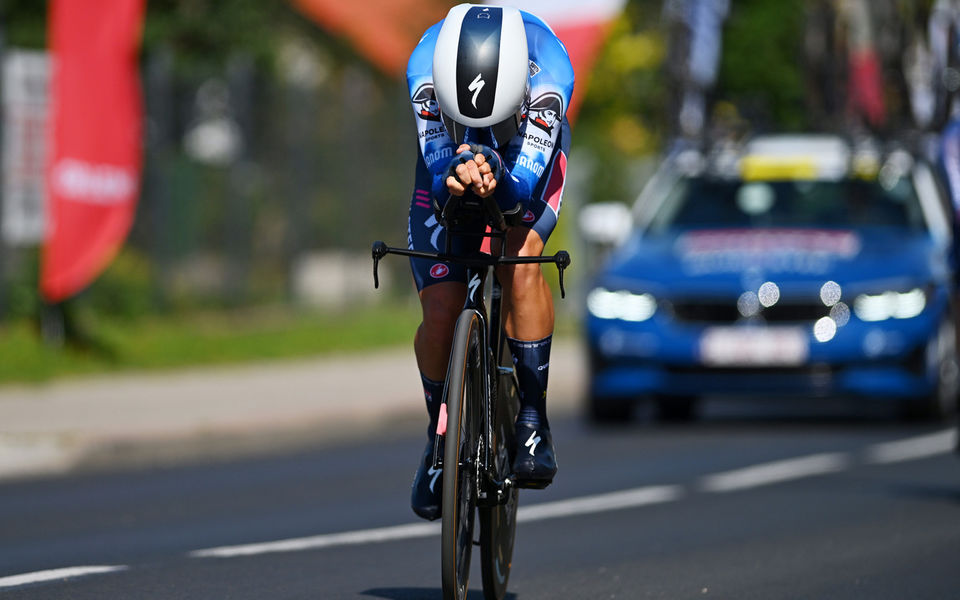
(797, 266)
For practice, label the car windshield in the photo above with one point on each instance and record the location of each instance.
(710, 202)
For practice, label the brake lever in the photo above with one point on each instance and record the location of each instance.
(562, 259)
(379, 251)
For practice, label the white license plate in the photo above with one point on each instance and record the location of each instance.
(754, 346)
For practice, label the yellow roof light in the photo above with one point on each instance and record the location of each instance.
(795, 157)
(767, 168)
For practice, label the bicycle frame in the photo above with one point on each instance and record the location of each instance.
(478, 267)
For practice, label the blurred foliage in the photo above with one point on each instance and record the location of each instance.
(306, 180)
(761, 67)
(24, 23)
(206, 33)
(621, 118)
(20, 293)
(125, 288)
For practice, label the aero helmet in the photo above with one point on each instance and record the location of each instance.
(480, 70)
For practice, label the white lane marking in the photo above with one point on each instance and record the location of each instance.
(913, 448)
(348, 538)
(537, 512)
(754, 476)
(636, 497)
(52, 574)
(775, 472)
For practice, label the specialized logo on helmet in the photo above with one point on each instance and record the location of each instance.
(478, 62)
(545, 111)
(428, 109)
(475, 86)
(439, 271)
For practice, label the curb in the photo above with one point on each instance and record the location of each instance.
(158, 419)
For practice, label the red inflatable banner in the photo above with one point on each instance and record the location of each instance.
(96, 153)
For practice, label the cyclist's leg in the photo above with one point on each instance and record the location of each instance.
(441, 286)
(442, 290)
(528, 320)
(440, 303)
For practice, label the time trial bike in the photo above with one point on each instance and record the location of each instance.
(475, 442)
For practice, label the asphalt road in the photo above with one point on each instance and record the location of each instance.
(780, 505)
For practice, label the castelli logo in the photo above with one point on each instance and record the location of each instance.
(529, 217)
(82, 181)
(438, 271)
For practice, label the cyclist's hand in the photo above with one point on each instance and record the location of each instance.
(491, 168)
(463, 172)
(488, 181)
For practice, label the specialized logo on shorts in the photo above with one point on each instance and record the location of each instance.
(439, 271)
(428, 108)
(529, 217)
(545, 111)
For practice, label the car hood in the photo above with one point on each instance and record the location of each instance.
(718, 261)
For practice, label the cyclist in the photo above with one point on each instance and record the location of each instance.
(489, 87)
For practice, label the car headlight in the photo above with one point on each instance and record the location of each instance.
(890, 305)
(623, 305)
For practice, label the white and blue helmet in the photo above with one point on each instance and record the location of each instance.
(481, 70)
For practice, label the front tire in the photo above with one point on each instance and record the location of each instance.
(498, 523)
(462, 395)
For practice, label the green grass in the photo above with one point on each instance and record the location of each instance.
(202, 339)
(210, 338)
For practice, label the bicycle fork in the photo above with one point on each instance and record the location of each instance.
(438, 440)
(490, 490)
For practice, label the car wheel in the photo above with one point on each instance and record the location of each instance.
(610, 410)
(676, 409)
(942, 359)
(605, 409)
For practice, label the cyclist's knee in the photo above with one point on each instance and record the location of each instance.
(519, 278)
(441, 304)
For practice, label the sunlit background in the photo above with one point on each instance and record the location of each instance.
(278, 144)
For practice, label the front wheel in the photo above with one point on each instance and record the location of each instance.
(462, 395)
(498, 522)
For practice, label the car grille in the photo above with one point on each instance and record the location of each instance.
(712, 311)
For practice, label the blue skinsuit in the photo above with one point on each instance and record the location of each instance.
(534, 160)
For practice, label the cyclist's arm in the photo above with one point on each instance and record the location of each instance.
(551, 85)
(435, 145)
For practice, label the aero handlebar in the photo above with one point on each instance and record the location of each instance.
(561, 259)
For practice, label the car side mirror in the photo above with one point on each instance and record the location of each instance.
(605, 223)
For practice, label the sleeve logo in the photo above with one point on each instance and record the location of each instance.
(427, 107)
(545, 112)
